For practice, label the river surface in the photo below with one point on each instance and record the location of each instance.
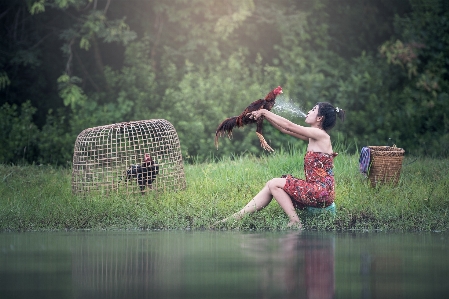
(223, 264)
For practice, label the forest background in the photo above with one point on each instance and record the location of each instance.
(67, 65)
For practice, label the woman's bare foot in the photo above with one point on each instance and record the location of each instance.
(219, 222)
(295, 225)
(234, 217)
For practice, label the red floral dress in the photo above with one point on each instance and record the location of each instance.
(318, 189)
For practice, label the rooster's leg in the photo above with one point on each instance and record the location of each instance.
(263, 143)
(142, 189)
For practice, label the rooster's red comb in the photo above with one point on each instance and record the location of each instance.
(278, 90)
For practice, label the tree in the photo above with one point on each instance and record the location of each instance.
(93, 62)
(419, 55)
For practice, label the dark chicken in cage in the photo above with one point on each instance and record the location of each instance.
(144, 173)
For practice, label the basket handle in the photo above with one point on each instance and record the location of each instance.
(391, 141)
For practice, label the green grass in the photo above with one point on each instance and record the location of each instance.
(40, 198)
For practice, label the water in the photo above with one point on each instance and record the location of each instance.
(284, 105)
(211, 264)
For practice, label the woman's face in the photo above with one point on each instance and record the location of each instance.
(312, 115)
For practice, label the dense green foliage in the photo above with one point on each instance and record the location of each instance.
(69, 65)
(40, 198)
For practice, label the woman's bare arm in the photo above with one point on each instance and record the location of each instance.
(281, 129)
(290, 127)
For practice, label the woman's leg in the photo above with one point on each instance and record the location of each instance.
(276, 187)
(260, 201)
(273, 188)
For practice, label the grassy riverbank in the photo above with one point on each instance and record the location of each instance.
(40, 198)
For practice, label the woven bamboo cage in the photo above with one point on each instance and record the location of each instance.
(110, 159)
(385, 165)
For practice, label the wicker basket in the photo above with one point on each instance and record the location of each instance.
(386, 164)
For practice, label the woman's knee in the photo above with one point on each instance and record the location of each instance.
(276, 183)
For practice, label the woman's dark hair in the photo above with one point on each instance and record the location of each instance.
(329, 114)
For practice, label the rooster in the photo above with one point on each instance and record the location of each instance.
(243, 119)
(145, 173)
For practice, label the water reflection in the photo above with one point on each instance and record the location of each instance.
(294, 266)
(381, 275)
(179, 264)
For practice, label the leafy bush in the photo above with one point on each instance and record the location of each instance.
(18, 133)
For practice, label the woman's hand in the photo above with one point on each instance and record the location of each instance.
(256, 114)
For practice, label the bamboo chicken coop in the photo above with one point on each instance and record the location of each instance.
(128, 157)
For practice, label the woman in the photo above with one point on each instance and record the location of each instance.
(317, 190)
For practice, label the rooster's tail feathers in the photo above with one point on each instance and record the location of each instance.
(225, 128)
